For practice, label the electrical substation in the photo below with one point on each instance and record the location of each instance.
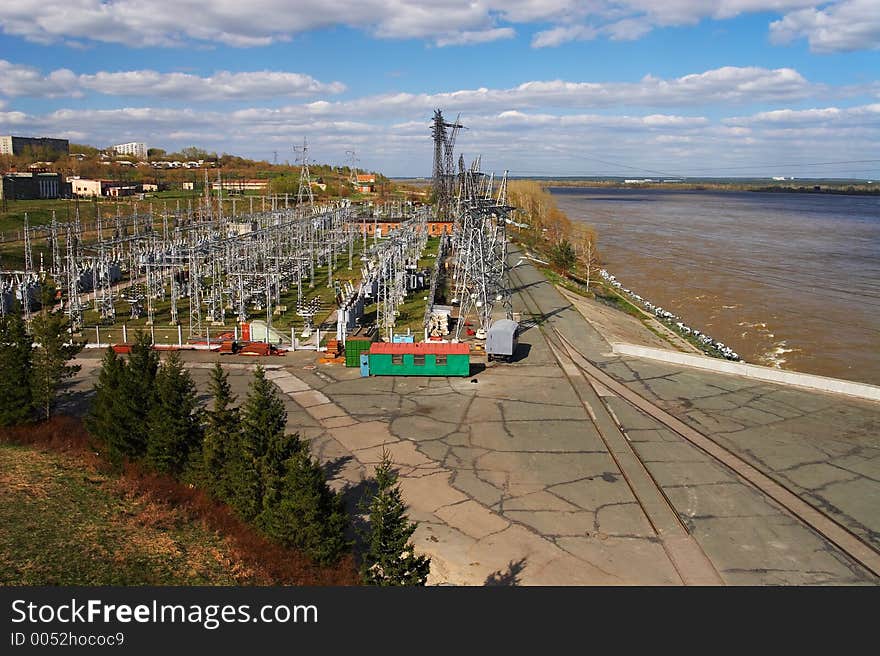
(282, 270)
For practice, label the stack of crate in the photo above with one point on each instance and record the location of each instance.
(331, 355)
(354, 346)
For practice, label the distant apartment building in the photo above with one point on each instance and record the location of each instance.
(241, 185)
(31, 186)
(136, 149)
(10, 145)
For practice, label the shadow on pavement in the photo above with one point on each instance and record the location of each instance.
(509, 577)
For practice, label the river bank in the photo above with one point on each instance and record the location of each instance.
(786, 280)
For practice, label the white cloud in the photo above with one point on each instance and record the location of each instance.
(627, 20)
(477, 36)
(836, 25)
(223, 85)
(563, 34)
(862, 114)
(142, 23)
(848, 25)
(628, 29)
(527, 142)
(728, 85)
(20, 80)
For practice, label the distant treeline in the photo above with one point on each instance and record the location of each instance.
(545, 229)
(813, 186)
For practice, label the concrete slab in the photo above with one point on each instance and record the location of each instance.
(624, 560)
(472, 519)
(326, 411)
(338, 422)
(363, 435)
(403, 453)
(290, 384)
(430, 492)
(309, 398)
(554, 523)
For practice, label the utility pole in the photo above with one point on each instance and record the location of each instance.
(304, 193)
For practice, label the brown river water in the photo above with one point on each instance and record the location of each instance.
(786, 280)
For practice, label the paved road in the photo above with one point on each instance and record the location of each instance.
(792, 435)
(526, 474)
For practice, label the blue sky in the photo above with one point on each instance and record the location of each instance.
(556, 87)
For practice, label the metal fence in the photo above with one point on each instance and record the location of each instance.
(98, 336)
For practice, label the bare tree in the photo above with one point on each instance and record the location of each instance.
(587, 254)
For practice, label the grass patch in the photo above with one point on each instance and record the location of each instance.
(615, 300)
(66, 526)
(66, 519)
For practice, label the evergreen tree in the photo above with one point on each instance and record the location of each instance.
(391, 557)
(222, 430)
(139, 391)
(16, 360)
(173, 422)
(108, 419)
(306, 513)
(263, 420)
(273, 470)
(563, 255)
(55, 348)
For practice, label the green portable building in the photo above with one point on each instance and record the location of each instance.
(354, 346)
(422, 359)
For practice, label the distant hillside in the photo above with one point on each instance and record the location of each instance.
(90, 162)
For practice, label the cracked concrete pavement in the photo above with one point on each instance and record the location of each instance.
(507, 470)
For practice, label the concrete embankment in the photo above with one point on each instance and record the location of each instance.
(809, 381)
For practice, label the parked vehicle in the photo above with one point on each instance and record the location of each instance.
(502, 339)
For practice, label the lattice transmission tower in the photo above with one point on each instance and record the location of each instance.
(304, 193)
(444, 135)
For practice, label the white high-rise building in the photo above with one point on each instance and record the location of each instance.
(136, 148)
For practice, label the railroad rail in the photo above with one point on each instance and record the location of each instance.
(682, 553)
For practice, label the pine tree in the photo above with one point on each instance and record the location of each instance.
(222, 429)
(263, 420)
(307, 514)
(139, 391)
(273, 470)
(173, 422)
(108, 419)
(563, 256)
(55, 348)
(16, 361)
(391, 557)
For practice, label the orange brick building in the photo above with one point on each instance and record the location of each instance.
(384, 226)
(366, 183)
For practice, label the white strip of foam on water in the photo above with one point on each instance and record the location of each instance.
(769, 374)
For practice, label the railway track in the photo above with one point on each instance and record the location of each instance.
(691, 562)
